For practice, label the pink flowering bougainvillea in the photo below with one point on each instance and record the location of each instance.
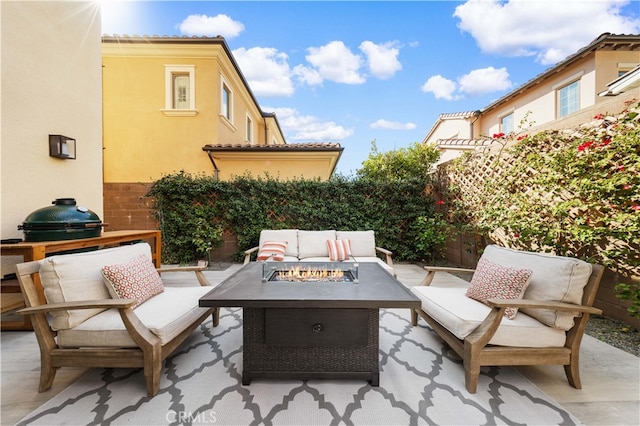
(573, 193)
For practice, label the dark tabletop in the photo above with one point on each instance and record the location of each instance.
(376, 288)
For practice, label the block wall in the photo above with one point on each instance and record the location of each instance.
(126, 206)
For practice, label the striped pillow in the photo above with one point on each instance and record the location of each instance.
(339, 250)
(272, 250)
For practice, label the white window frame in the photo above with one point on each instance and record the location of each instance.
(564, 84)
(249, 131)
(170, 71)
(513, 123)
(228, 112)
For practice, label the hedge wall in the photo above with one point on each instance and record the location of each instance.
(194, 211)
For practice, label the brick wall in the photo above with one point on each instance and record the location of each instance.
(127, 207)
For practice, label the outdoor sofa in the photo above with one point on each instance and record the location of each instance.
(295, 245)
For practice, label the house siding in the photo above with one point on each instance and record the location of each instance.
(51, 84)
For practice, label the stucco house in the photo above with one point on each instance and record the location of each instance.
(182, 104)
(565, 95)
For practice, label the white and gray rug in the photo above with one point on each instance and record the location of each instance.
(421, 382)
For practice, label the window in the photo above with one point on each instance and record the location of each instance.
(568, 98)
(625, 67)
(226, 102)
(249, 129)
(506, 124)
(179, 90)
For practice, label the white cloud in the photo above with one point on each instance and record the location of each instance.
(442, 88)
(391, 125)
(266, 70)
(307, 128)
(484, 80)
(307, 75)
(382, 58)
(211, 26)
(549, 30)
(475, 83)
(335, 62)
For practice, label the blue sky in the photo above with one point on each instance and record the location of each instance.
(354, 71)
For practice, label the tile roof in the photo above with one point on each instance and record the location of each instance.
(605, 41)
(312, 146)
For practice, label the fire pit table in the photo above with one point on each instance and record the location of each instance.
(322, 326)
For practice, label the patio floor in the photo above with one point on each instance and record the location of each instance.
(610, 376)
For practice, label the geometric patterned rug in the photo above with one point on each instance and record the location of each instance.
(421, 382)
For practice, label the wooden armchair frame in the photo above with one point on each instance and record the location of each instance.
(149, 355)
(476, 352)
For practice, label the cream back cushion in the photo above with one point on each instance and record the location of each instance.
(553, 278)
(288, 235)
(78, 276)
(363, 243)
(314, 243)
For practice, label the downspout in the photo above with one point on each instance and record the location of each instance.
(216, 170)
(476, 114)
(266, 131)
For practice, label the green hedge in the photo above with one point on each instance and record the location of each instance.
(195, 211)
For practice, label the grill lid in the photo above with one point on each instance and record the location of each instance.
(64, 214)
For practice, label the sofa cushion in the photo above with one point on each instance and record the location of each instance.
(76, 277)
(363, 243)
(493, 281)
(339, 250)
(554, 278)
(462, 315)
(136, 279)
(272, 250)
(165, 314)
(314, 243)
(288, 235)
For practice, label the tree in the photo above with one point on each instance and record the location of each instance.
(412, 162)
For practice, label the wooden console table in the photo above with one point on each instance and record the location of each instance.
(40, 249)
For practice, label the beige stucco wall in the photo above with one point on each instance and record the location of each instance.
(141, 142)
(537, 105)
(451, 128)
(282, 166)
(51, 84)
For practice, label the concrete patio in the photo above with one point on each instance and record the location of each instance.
(610, 376)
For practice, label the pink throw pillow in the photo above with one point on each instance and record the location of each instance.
(272, 250)
(339, 250)
(493, 281)
(137, 279)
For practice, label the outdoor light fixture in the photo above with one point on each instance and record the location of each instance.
(62, 147)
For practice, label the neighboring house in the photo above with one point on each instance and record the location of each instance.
(51, 85)
(563, 96)
(182, 104)
(453, 134)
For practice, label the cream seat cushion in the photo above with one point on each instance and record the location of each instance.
(553, 278)
(166, 315)
(288, 235)
(461, 315)
(78, 276)
(314, 243)
(363, 243)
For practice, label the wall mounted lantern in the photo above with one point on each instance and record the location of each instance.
(62, 147)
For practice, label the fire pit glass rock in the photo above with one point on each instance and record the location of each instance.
(311, 272)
